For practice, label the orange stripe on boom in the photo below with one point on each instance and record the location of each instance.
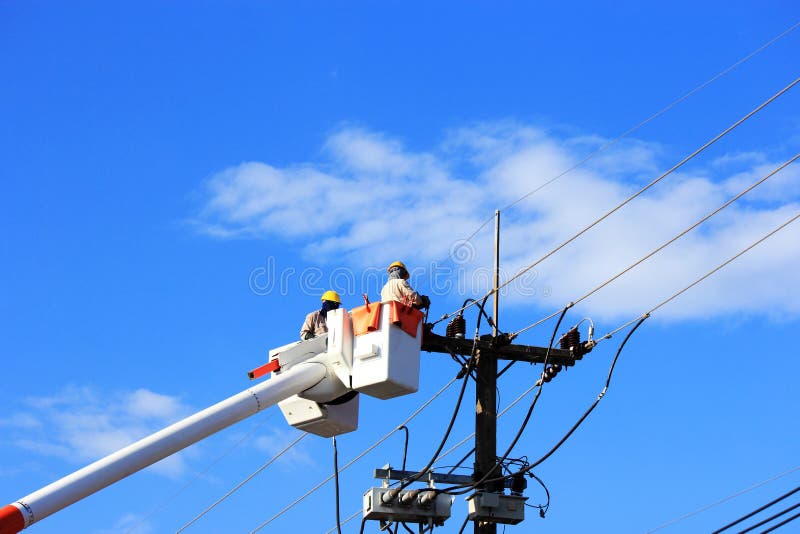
(11, 520)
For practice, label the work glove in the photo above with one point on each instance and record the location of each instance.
(426, 301)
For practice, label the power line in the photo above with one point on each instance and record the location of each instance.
(634, 195)
(724, 499)
(354, 460)
(754, 512)
(243, 482)
(770, 518)
(336, 478)
(671, 240)
(631, 130)
(784, 522)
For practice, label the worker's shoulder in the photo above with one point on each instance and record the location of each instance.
(312, 315)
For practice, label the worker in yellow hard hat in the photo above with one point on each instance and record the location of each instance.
(316, 321)
(397, 288)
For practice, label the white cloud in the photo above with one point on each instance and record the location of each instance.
(374, 200)
(277, 439)
(129, 522)
(83, 424)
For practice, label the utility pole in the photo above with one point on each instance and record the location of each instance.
(488, 352)
(486, 398)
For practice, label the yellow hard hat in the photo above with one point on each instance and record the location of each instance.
(396, 264)
(333, 296)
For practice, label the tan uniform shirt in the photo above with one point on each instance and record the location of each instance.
(314, 323)
(399, 290)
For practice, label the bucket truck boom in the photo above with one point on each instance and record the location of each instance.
(379, 357)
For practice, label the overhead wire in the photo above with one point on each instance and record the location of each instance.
(633, 196)
(772, 518)
(486, 476)
(454, 415)
(757, 510)
(782, 523)
(336, 484)
(636, 127)
(457, 488)
(357, 458)
(671, 240)
(725, 499)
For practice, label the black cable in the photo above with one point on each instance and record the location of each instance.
(571, 430)
(754, 512)
(464, 382)
(461, 461)
(506, 368)
(407, 529)
(486, 475)
(778, 525)
(543, 508)
(405, 445)
(336, 478)
(363, 522)
(770, 518)
(482, 311)
(463, 525)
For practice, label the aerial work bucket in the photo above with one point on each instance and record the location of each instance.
(386, 360)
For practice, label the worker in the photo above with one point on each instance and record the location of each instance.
(397, 288)
(316, 321)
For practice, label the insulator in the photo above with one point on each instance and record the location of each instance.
(408, 497)
(571, 340)
(457, 327)
(518, 484)
(390, 495)
(425, 497)
(551, 372)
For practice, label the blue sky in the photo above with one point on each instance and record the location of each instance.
(167, 165)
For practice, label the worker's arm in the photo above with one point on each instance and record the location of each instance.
(307, 330)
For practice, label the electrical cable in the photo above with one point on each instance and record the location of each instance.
(782, 523)
(485, 476)
(724, 500)
(242, 483)
(456, 489)
(673, 239)
(405, 483)
(463, 525)
(756, 511)
(354, 460)
(631, 130)
(634, 195)
(347, 520)
(336, 484)
(770, 518)
(405, 445)
(471, 435)
(543, 508)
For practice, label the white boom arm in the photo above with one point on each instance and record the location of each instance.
(104, 472)
(379, 358)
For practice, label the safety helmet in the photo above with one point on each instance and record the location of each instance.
(396, 264)
(332, 296)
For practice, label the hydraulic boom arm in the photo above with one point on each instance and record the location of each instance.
(104, 472)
